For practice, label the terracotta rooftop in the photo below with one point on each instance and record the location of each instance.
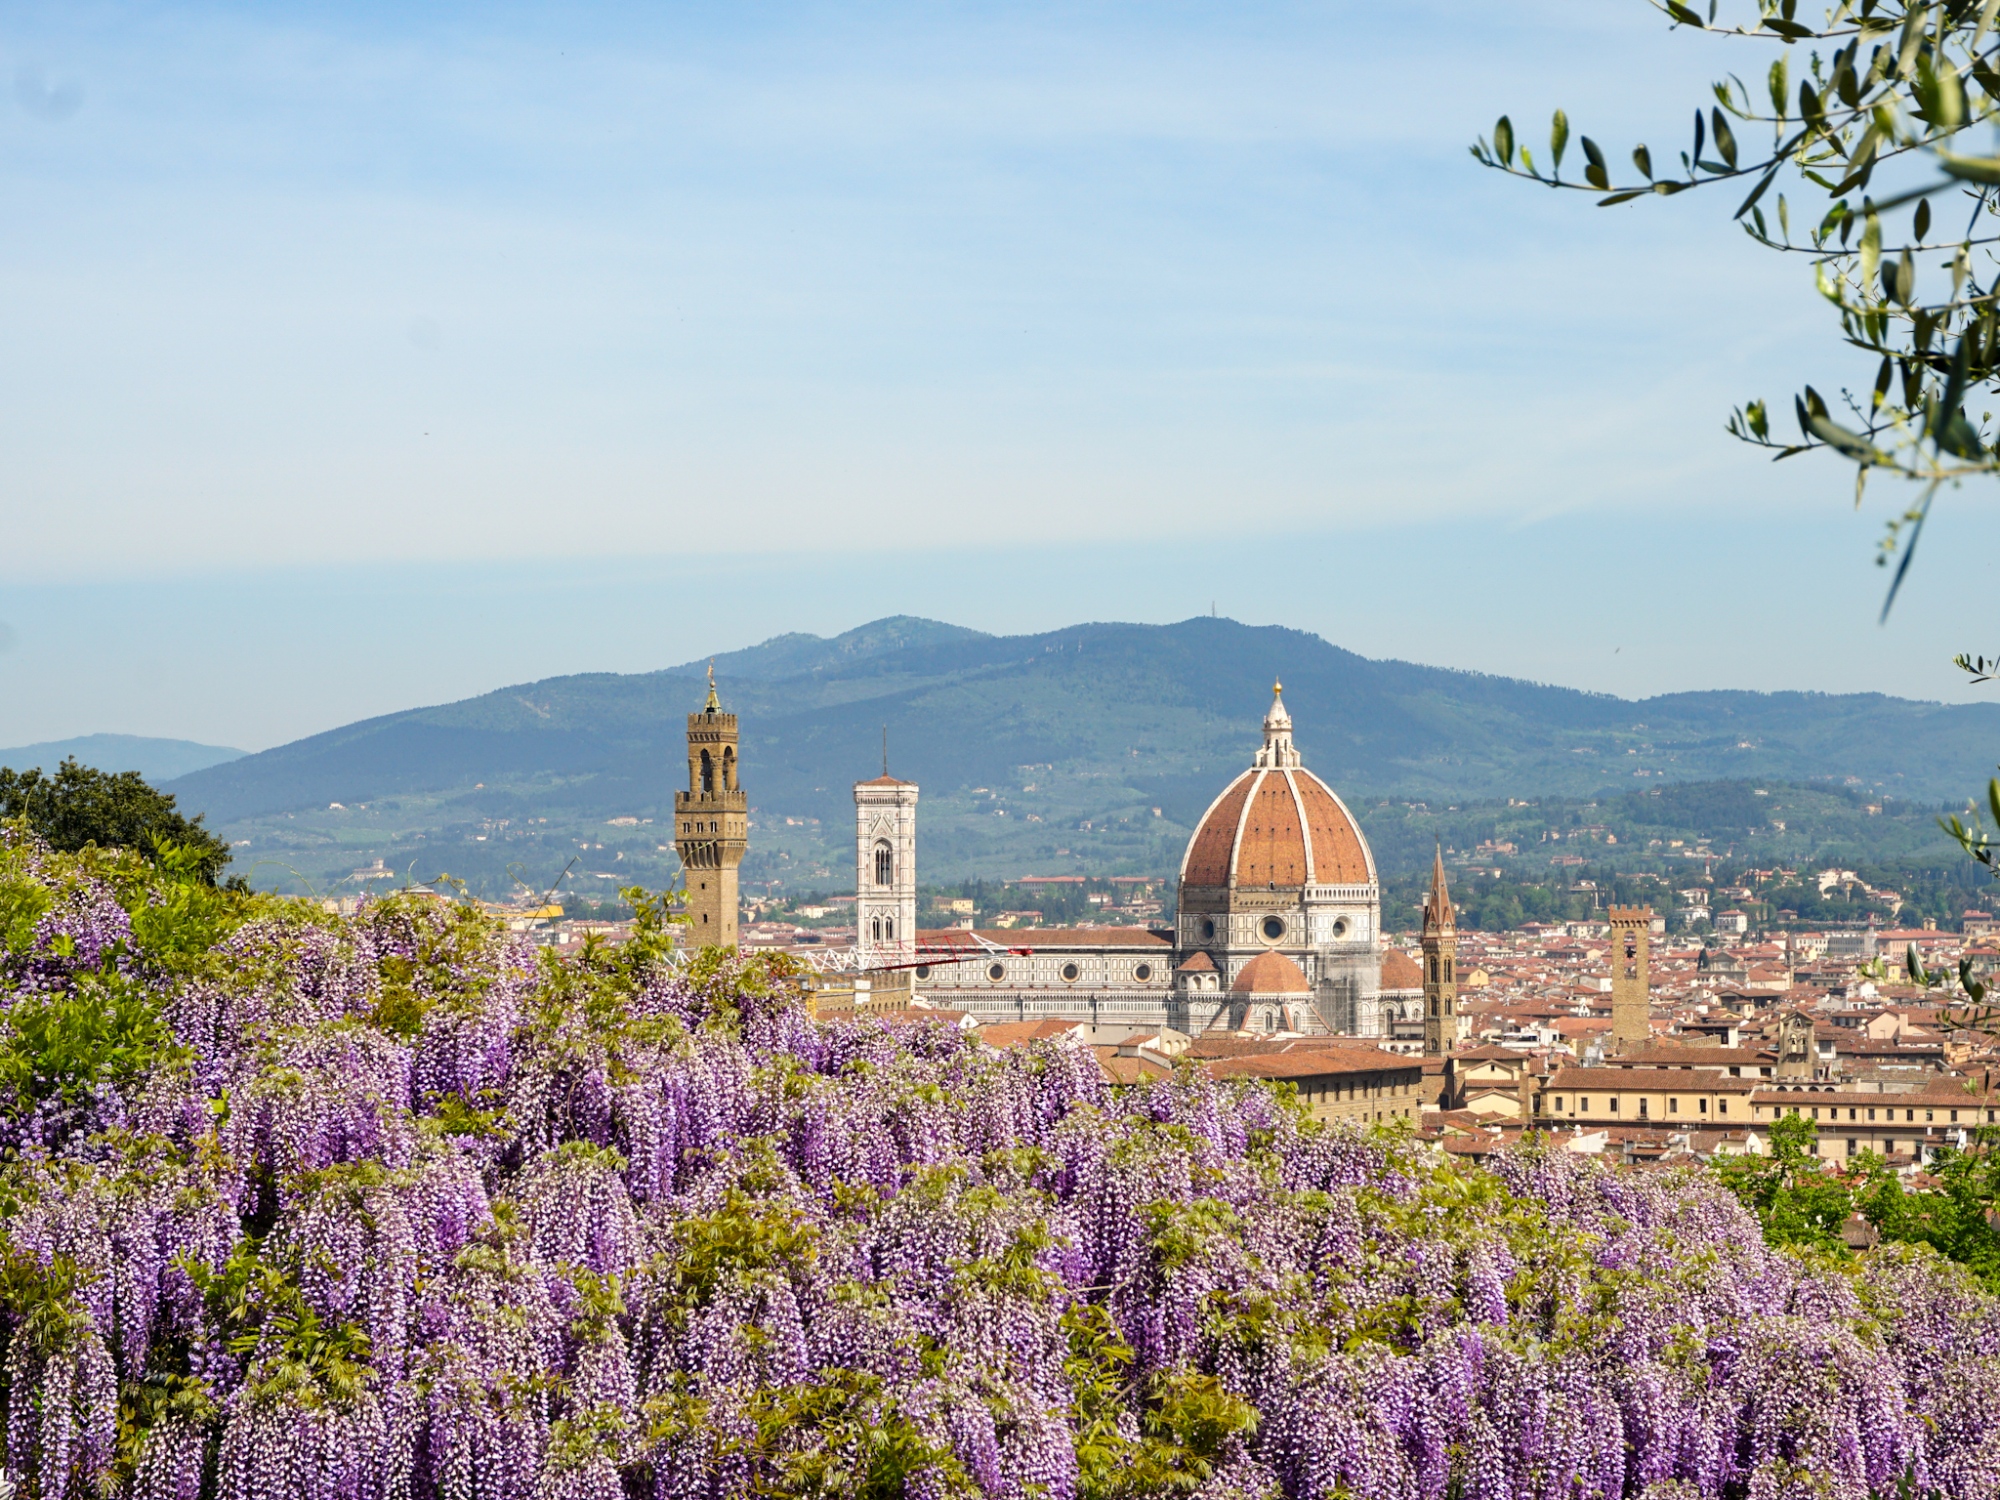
(1400, 971)
(1228, 1044)
(1020, 1033)
(1118, 1069)
(1270, 973)
(1949, 1091)
(1312, 1062)
(1277, 826)
(1666, 1080)
(1668, 1055)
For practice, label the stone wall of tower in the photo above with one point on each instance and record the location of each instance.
(1440, 961)
(1440, 991)
(885, 872)
(1631, 977)
(711, 827)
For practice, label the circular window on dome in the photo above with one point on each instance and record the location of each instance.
(923, 971)
(1071, 972)
(1143, 973)
(1340, 928)
(1208, 927)
(1274, 928)
(996, 971)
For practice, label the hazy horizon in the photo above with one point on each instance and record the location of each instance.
(372, 356)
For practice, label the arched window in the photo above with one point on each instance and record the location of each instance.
(885, 863)
(729, 769)
(707, 772)
(876, 929)
(889, 929)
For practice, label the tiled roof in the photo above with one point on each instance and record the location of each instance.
(1340, 857)
(1270, 849)
(1315, 1062)
(1400, 971)
(1200, 963)
(1118, 1069)
(1270, 973)
(1230, 1045)
(1667, 1055)
(1020, 1033)
(1944, 1091)
(1214, 842)
(1279, 826)
(1665, 1080)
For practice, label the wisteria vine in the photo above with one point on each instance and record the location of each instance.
(395, 1207)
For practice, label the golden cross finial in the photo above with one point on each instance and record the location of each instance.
(714, 703)
(1276, 688)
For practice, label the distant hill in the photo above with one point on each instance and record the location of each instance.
(156, 760)
(1097, 746)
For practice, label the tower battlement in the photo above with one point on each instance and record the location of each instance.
(712, 824)
(1631, 975)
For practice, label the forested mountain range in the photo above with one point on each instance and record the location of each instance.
(1094, 747)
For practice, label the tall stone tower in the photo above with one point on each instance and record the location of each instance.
(711, 825)
(1631, 978)
(1440, 942)
(885, 871)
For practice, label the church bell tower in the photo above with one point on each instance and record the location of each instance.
(1631, 977)
(711, 825)
(1440, 944)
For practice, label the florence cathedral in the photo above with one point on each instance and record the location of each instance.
(1278, 926)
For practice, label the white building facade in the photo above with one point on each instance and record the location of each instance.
(1277, 866)
(885, 872)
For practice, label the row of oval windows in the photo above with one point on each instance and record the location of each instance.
(1070, 972)
(1273, 928)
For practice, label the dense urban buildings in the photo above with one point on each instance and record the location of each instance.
(1606, 1034)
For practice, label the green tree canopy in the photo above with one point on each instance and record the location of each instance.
(81, 805)
(1794, 1195)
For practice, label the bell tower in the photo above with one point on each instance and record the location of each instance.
(1440, 944)
(711, 824)
(885, 870)
(1631, 977)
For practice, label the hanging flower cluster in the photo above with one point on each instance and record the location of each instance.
(398, 1208)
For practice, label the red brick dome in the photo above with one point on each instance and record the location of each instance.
(1400, 971)
(1278, 826)
(1271, 973)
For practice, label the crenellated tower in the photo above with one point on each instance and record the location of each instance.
(1440, 945)
(1631, 976)
(711, 824)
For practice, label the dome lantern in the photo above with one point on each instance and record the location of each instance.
(1278, 751)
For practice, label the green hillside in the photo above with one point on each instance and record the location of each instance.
(1092, 748)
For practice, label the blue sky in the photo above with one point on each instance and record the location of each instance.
(365, 356)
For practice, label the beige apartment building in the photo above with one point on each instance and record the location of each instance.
(1661, 1097)
(1917, 1122)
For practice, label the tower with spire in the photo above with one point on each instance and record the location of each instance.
(1440, 944)
(711, 824)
